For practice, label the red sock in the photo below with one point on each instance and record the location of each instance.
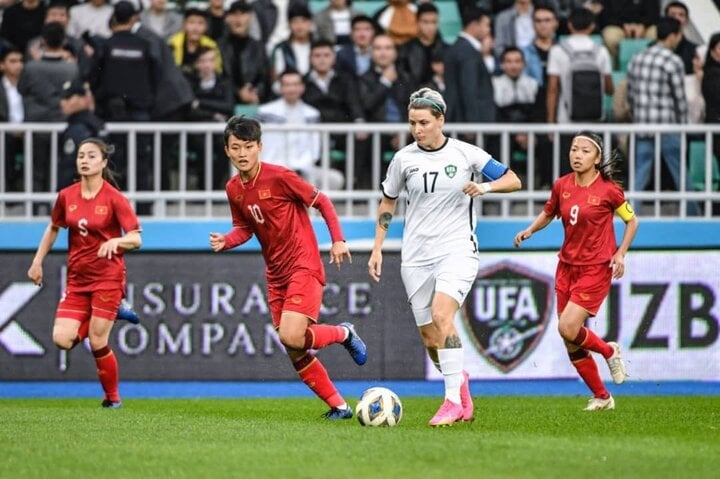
(107, 371)
(313, 373)
(588, 340)
(83, 331)
(320, 335)
(587, 368)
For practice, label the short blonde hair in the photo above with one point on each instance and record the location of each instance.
(428, 99)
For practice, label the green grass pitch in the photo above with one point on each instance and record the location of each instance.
(512, 437)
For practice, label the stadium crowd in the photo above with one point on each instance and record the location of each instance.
(513, 61)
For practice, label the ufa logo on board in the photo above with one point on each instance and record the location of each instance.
(507, 312)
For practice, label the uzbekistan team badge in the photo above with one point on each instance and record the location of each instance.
(450, 170)
(507, 312)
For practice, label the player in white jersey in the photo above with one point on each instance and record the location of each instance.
(441, 176)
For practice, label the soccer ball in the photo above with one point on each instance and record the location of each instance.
(379, 407)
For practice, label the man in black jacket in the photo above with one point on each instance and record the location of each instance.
(244, 58)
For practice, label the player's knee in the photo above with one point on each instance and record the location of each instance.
(567, 331)
(292, 339)
(62, 340)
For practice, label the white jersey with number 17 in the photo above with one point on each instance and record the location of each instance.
(440, 218)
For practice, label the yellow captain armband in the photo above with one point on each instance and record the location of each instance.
(625, 211)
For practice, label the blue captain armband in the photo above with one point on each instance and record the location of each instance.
(494, 169)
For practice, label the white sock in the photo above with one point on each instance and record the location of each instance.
(451, 366)
(343, 406)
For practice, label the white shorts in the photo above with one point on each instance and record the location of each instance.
(454, 275)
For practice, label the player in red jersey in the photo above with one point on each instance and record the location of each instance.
(95, 214)
(271, 202)
(586, 201)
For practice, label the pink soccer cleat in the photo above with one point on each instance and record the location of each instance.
(466, 399)
(448, 414)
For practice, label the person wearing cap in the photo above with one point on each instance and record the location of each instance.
(76, 104)
(243, 57)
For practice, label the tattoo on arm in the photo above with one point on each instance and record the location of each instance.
(453, 342)
(384, 221)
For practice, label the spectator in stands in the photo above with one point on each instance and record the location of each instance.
(93, 17)
(333, 23)
(332, 92)
(57, 12)
(514, 26)
(559, 68)
(244, 58)
(384, 91)
(213, 102)
(297, 150)
(437, 81)
(163, 21)
(656, 94)
(12, 110)
(355, 57)
(398, 20)
(560, 97)
(515, 99)
(293, 53)
(469, 93)
(686, 49)
(216, 18)
(40, 85)
(623, 19)
(710, 90)
(76, 103)
(414, 56)
(186, 43)
(272, 18)
(545, 24)
(22, 21)
(693, 89)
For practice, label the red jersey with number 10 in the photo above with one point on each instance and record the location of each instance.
(273, 206)
(587, 214)
(90, 223)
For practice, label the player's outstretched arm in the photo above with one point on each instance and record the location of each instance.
(540, 222)
(385, 212)
(35, 273)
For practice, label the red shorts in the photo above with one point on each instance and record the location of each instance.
(585, 285)
(86, 304)
(302, 294)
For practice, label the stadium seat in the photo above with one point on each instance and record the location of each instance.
(627, 49)
(450, 21)
(247, 110)
(696, 170)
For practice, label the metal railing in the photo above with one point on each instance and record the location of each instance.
(184, 189)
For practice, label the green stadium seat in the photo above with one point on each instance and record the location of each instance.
(247, 110)
(627, 49)
(617, 77)
(696, 170)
